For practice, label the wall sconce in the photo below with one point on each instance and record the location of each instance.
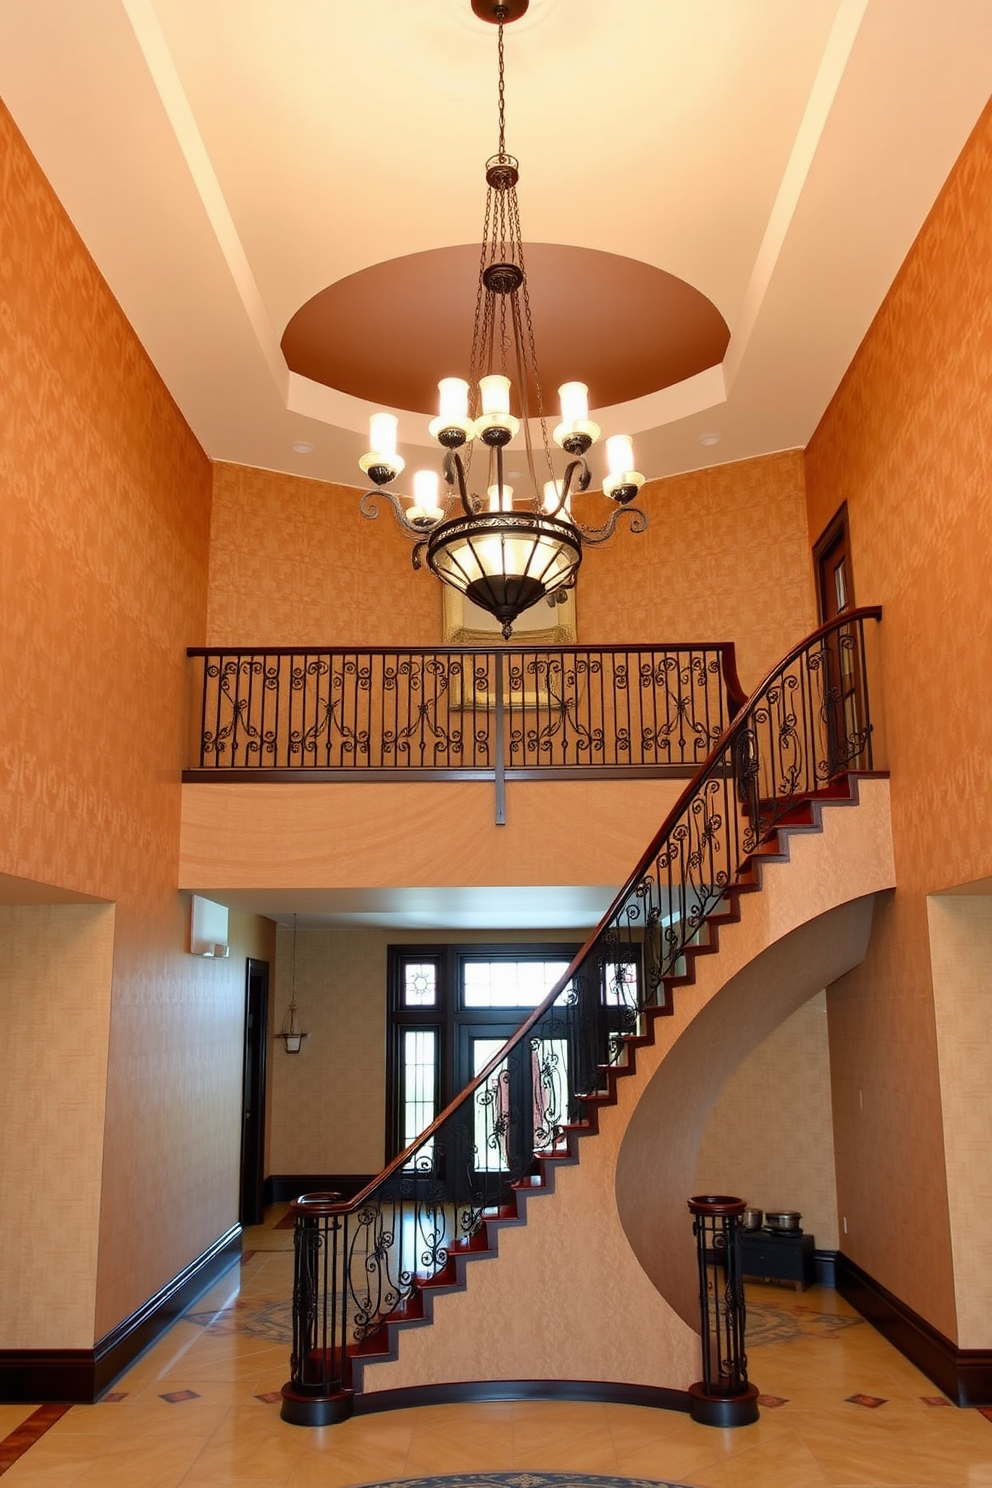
(292, 1031)
(208, 928)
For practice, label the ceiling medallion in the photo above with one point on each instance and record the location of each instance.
(503, 552)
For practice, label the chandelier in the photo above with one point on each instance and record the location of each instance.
(506, 551)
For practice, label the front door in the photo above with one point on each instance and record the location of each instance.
(521, 1105)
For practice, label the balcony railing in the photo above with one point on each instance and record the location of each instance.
(510, 712)
(363, 1264)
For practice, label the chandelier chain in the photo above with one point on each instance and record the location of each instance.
(502, 94)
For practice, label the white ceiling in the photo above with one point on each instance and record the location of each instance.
(226, 159)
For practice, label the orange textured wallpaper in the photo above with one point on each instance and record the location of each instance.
(725, 558)
(104, 531)
(907, 443)
(293, 562)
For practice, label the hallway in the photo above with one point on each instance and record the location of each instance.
(202, 1408)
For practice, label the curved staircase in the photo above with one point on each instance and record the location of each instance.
(594, 1295)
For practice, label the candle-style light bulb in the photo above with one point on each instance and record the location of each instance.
(500, 498)
(576, 432)
(453, 400)
(425, 510)
(574, 398)
(495, 390)
(619, 453)
(623, 482)
(452, 427)
(382, 434)
(382, 464)
(495, 425)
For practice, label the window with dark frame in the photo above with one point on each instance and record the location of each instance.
(452, 1007)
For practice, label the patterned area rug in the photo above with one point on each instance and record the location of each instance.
(524, 1480)
(769, 1324)
(766, 1323)
(272, 1321)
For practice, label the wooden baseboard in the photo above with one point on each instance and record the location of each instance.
(470, 1391)
(282, 1188)
(81, 1376)
(964, 1375)
(825, 1262)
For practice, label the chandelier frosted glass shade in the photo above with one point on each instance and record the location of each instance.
(505, 561)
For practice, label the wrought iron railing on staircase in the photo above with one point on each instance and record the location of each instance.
(364, 1265)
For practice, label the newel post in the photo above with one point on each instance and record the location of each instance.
(723, 1396)
(318, 1393)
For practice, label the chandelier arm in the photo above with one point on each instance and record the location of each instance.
(369, 508)
(593, 536)
(582, 484)
(454, 473)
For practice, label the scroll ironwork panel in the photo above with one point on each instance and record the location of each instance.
(462, 709)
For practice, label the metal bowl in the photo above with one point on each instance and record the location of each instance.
(752, 1219)
(784, 1221)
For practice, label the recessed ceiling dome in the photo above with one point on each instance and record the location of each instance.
(389, 332)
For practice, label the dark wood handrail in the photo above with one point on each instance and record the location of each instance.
(724, 745)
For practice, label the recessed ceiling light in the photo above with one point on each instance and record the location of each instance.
(303, 447)
(709, 438)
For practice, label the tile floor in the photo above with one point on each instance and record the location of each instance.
(841, 1409)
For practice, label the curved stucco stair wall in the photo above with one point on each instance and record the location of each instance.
(659, 1153)
(568, 1297)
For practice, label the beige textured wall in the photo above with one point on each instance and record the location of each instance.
(906, 443)
(293, 562)
(104, 530)
(173, 1131)
(55, 973)
(769, 1138)
(961, 962)
(329, 1101)
(366, 836)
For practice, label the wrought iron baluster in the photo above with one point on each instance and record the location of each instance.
(864, 704)
(202, 750)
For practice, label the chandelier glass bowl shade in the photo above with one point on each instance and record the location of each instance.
(505, 553)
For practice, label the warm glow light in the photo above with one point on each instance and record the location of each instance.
(552, 495)
(574, 402)
(619, 453)
(495, 504)
(382, 434)
(425, 508)
(453, 401)
(495, 390)
(425, 487)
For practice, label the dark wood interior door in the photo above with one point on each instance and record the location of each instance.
(835, 591)
(252, 1203)
(835, 581)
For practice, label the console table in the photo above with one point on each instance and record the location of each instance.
(779, 1257)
